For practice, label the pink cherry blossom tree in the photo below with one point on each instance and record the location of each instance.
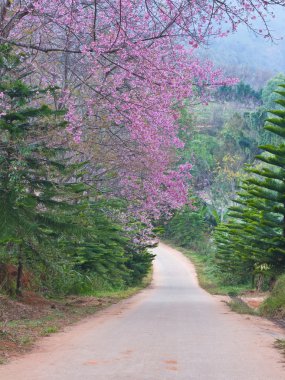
(124, 67)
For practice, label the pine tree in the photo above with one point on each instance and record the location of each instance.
(107, 247)
(253, 240)
(36, 206)
(101, 249)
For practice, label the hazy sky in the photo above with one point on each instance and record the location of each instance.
(246, 51)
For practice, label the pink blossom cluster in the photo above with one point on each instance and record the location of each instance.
(130, 64)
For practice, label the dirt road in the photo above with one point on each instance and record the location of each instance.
(173, 330)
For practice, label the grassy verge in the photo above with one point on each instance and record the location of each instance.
(206, 273)
(238, 306)
(25, 320)
(274, 305)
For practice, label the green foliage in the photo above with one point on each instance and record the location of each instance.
(48, 330)
(219, 140)
(252, 241)
(201, 150)
(188, 226)
(255, 120)
(34, 207)
(138, 262)
(240, 92)
(269, 95)
(102, 247)
(222, 137)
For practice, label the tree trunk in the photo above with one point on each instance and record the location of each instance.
(259, 282)
(19, 273)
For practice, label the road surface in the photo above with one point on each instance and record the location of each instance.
(173, 330)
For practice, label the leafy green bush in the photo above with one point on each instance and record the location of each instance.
(188, 228)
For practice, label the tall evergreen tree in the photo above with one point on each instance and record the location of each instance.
(35, 204)
(253, 239)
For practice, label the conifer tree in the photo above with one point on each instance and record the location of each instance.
(35, 204)
(252, 241)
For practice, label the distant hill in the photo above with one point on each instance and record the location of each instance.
(252, 58)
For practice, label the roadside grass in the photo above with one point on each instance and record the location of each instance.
(121, 293)
(238, 306)
(25, 340)
(48, 330)
(20, 330)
